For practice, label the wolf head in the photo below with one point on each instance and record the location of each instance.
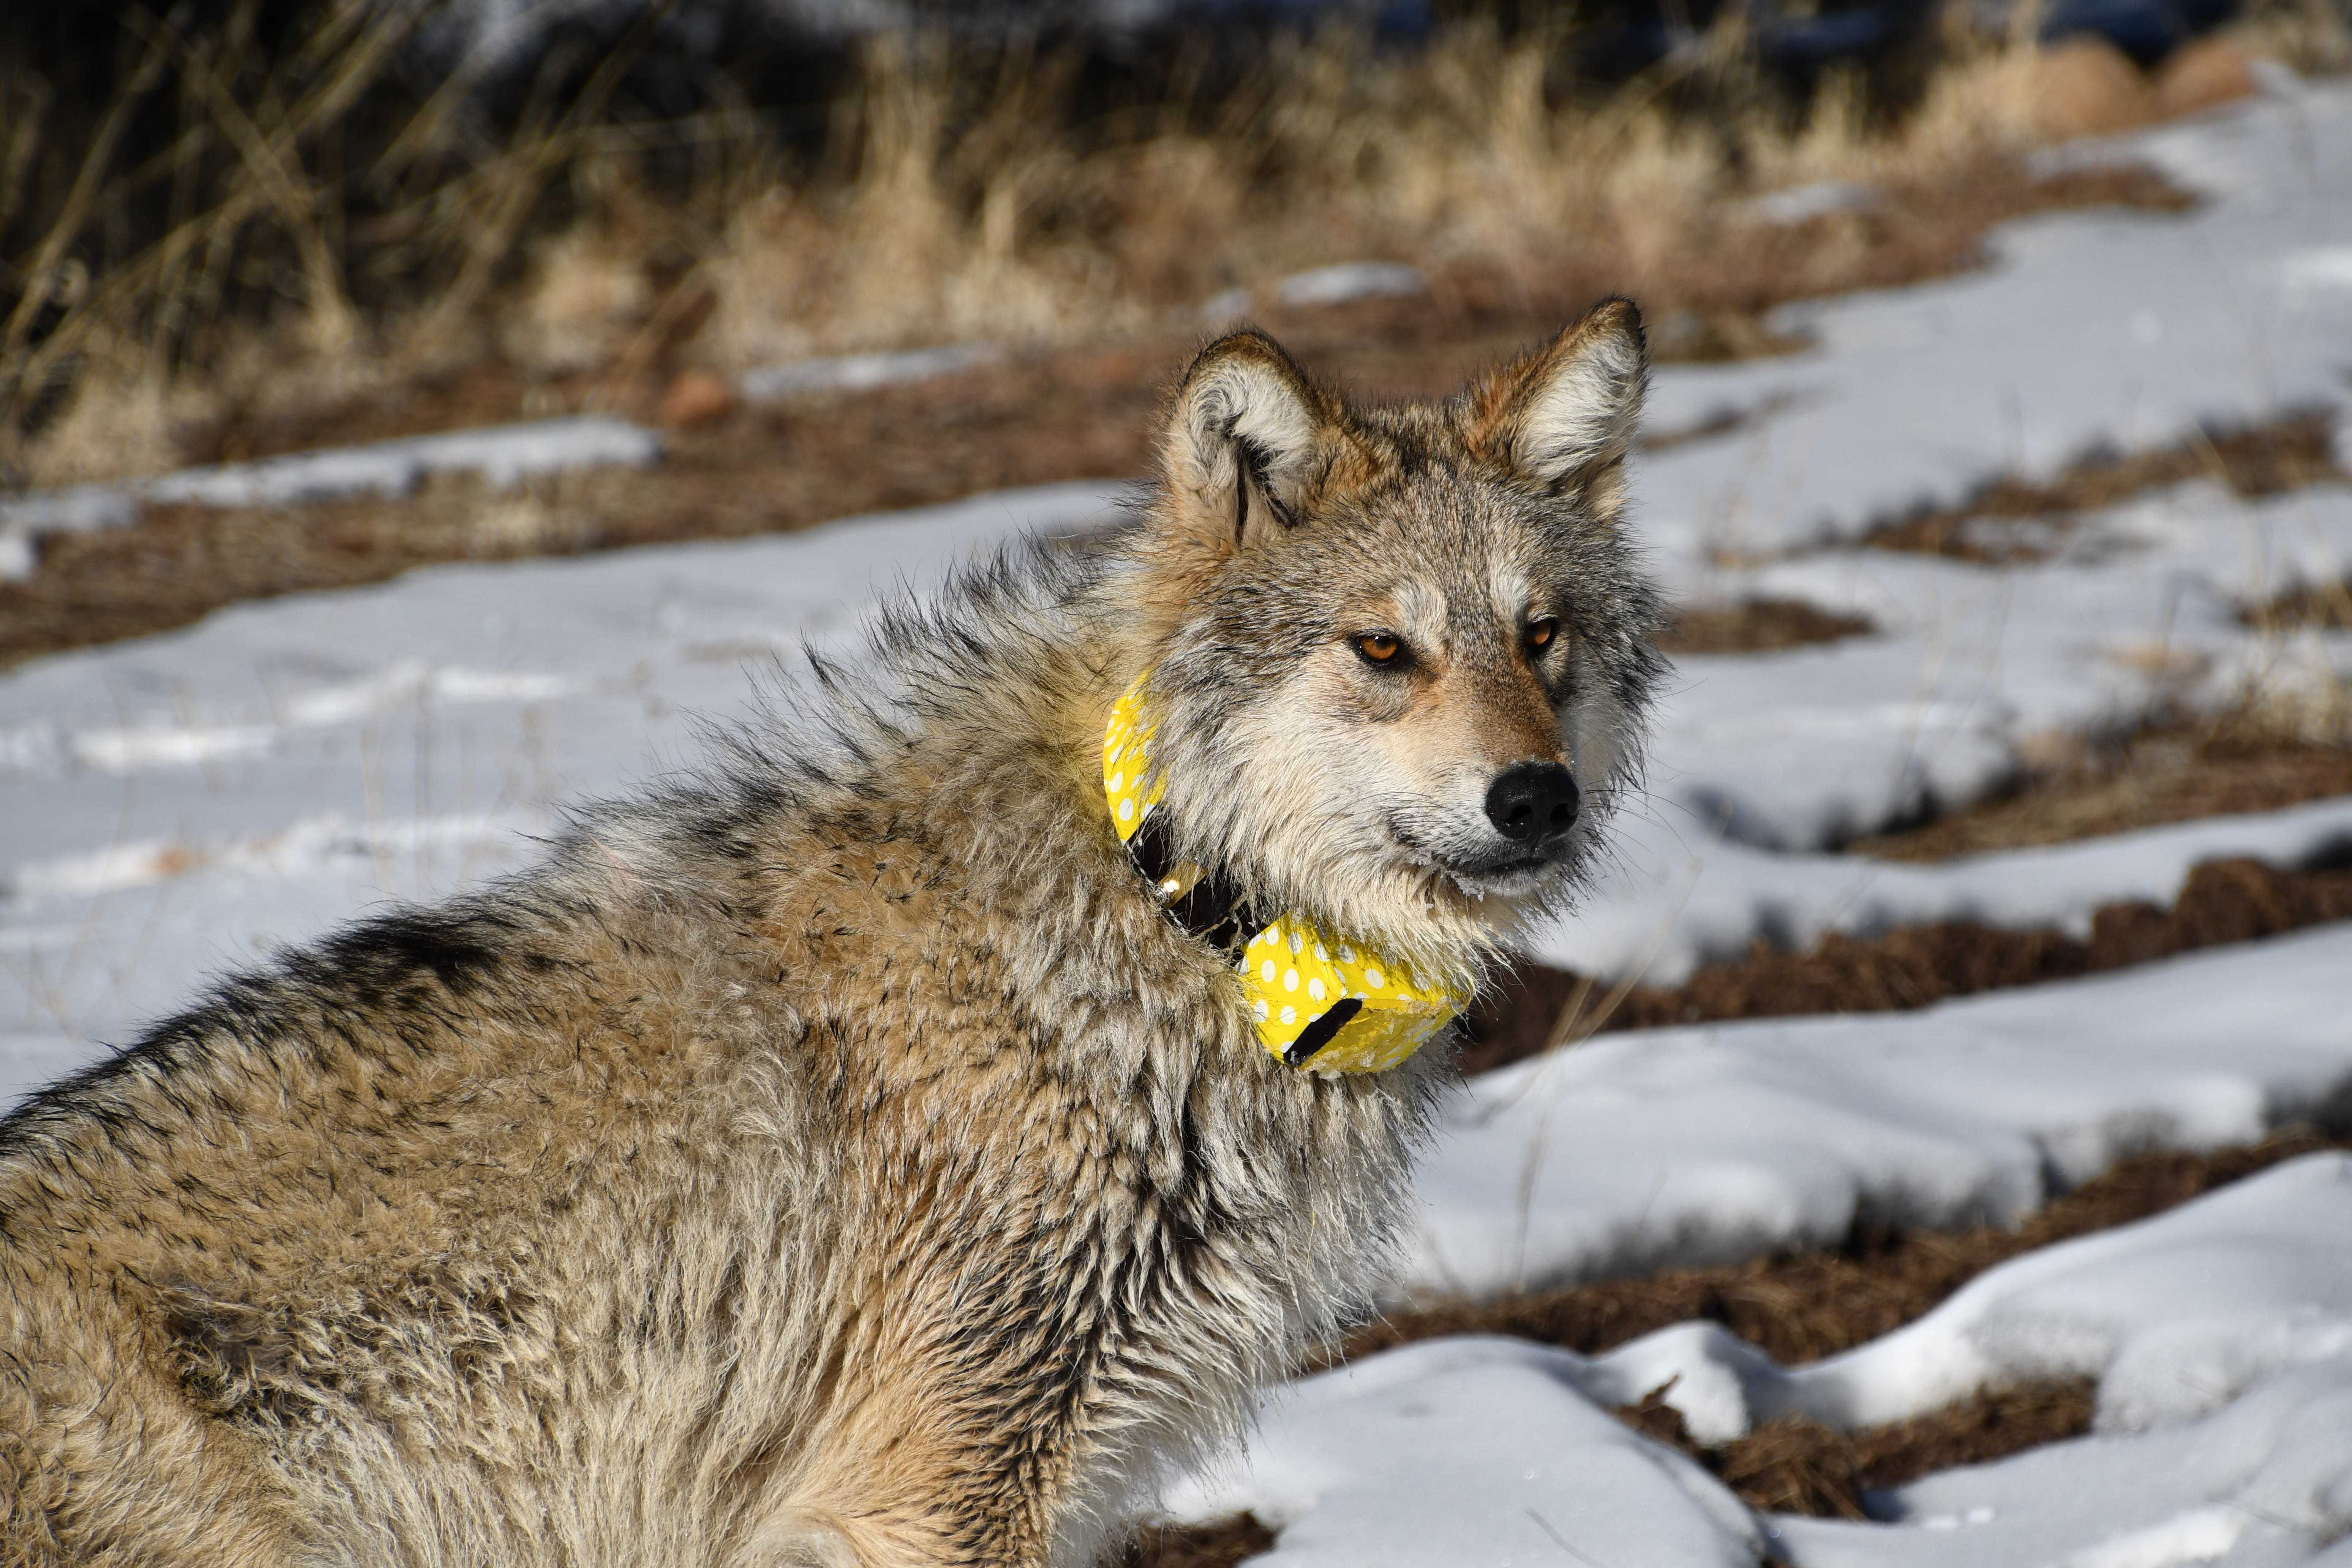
(1399, 656)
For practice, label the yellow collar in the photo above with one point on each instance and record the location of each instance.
(1320, 1003)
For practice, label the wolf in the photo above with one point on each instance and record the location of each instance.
(861, 1150)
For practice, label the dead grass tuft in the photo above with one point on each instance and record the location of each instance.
(1221, 1544)
(1757, 626)
(2287, 453)
(2325, 606)
(1794, 1464)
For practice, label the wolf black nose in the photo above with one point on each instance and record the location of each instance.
(1533, 804)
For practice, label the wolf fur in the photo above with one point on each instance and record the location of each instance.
(839, 1158)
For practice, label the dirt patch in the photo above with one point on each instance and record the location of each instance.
(1757, 626)
(1797, 1466)
(2169, 773)
(1216, 1545)
(2283, 454)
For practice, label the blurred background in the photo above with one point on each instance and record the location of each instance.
(233, 228)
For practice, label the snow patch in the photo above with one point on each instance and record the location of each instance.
(1349, 281)
(1709, 1144)
(862, 372)
(501, 456)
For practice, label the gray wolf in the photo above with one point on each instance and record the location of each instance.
(858, 1152)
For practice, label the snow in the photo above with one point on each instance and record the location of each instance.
(1714, 1143)
(1351, 280)
(1913, 395)
(2219, 1336)
(501, 456)
(1819, 198)
(1670, 901)
(861, 372)
(177, 804)
(1508, 1458)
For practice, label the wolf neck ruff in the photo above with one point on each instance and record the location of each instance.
(1321, 1004)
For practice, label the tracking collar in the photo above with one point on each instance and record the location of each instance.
(1320, 1003)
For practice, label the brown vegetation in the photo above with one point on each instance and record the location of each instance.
(1756, 625)
(1795, 1465)
(1216, 1545)
(2171, 773)
(2325, 606)
(2292, 450)
(761, 470)
(253, 225)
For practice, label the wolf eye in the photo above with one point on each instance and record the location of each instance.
(1540, 633)
(1378, 647)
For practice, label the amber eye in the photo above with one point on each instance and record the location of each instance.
(1540, 633)
(1378, 647)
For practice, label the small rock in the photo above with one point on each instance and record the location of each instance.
(696, 397)
(2085, 86)
(2203, 74)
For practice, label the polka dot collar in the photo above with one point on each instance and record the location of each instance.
(1320, 1003)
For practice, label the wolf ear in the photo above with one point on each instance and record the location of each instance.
(1564, 416)
(1239, 450)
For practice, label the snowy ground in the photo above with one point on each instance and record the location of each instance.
(175, 804)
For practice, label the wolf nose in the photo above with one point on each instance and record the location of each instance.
(1533, 804)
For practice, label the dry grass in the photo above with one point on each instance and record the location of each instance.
(1756, 625)
(2325, 606)
(1217, 1545)
(2171, 773)
(2294, 449)
(1793, 1465)
(256, 227)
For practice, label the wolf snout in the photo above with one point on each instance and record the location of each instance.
(1533, 804)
